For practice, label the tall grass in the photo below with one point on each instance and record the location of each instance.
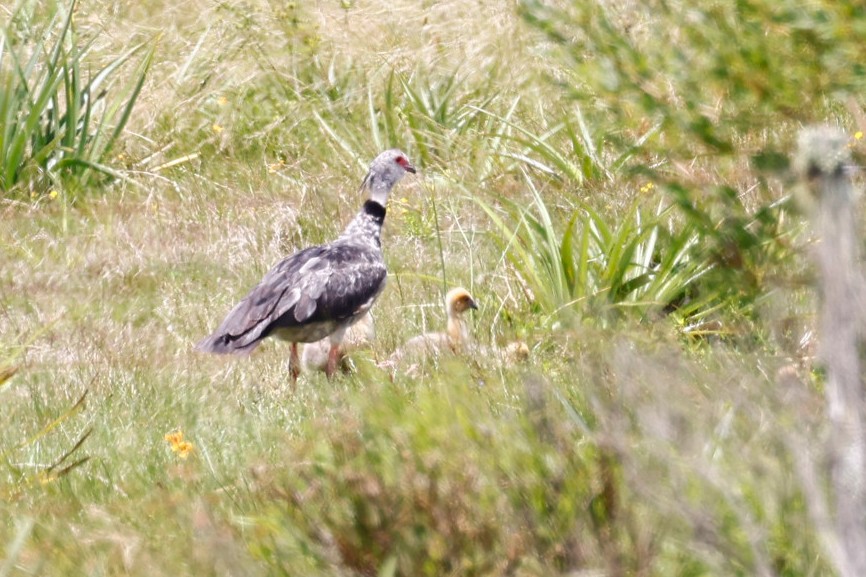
(58, 121)
(27, 474)
(640, 261)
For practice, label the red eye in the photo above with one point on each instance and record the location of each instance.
(404, 164)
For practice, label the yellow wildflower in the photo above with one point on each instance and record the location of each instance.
(858, 135)
(647, 187)
(178, 446)
(222, 100)
(52, 194)
(217, 128)
(183, 449)
(174, 438)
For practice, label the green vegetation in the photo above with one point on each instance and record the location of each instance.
(636, 262)
(58, 120)
(609, 179)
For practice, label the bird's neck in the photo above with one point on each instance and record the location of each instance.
(458, 331)
(378, 188)
(367, 224)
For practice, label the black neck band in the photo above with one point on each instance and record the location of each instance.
(375, 210)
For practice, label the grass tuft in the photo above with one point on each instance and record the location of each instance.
(57, 127)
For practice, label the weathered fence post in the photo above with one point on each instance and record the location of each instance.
(824, 163)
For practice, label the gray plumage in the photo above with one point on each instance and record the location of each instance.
(314, 356)
(319, 291)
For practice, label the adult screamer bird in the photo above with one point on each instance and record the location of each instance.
(319, 291)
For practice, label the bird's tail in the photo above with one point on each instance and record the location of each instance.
(223, 344)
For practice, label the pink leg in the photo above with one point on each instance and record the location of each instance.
(333, 359)
(294, 363)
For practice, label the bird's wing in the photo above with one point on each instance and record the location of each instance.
(331, 282)
(292, 282)
(356, 278)
(420, 347)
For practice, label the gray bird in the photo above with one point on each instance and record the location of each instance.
(319, 291)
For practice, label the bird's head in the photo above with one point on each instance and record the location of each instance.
(458, 300)
(386, 170)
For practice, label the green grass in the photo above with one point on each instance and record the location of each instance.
(648, 433)
(59, 119)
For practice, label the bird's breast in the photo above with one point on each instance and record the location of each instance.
(306, 333)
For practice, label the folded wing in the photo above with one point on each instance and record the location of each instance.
(319, 285)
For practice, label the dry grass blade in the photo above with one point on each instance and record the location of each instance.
(823, 161)
(7, 372)
(14, 548)
(50, 471)
(75, 408)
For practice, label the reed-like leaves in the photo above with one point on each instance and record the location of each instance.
(56, 121)
(640, 261)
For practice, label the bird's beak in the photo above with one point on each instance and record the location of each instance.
(409, 168)
(473, 305)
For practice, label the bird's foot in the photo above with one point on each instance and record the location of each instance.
(294, 365)
(333, 361)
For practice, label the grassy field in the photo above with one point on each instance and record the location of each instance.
(665, 423)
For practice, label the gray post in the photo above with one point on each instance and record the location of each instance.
(824, 163)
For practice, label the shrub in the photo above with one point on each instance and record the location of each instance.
(436, 485)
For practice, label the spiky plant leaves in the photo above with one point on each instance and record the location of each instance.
(53, 125)
(641, 262)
